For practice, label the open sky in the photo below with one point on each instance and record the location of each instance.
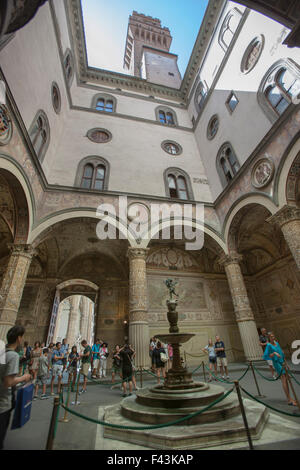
(106, 27)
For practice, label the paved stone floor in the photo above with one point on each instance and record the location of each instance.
(82, 435)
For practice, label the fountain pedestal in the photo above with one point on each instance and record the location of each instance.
(180, 396)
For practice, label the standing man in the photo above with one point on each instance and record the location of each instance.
(58, 366)
(126, 353)
(263, 340)
(64, 349)
(221, 357)
(96, 358)
(9, 378)
(86, 359)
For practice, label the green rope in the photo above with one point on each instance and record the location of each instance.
(196, 369)
(292, 375)
(151, 373)
(141, 428)
(267, 378)
(269, 406)
(228, 381)
(56, 421)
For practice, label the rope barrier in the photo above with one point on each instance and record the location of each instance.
(141, 428)
(292, 375)
(267, 378)
(228, 381)
(269, 406)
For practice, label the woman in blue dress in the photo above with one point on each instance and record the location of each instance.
(273, 351)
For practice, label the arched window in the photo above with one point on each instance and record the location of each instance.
(68, 66)
(39, 133)
(227, 164)
(229, 27)
(279, 87)
(200, 95)
(104, 102)
(178, 184)
(93, 173)
(166, 116)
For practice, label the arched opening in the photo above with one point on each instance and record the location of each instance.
(269, 270)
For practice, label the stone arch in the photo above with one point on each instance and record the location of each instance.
(241, 205)
(288, 175)
(163, 224)
(77, 287)
(22, 196)
(61, 216)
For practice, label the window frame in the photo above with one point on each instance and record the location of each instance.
(232, 12)
(230, 96)
(201, 86)
(106, 98)
(171, 142)
(46, 127)
(176, 173)
(166, 110)
(220, 169)
(270, 80)
(95, 161)
(69, 80)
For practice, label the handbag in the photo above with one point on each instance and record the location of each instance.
(23, 406)
(163, 357)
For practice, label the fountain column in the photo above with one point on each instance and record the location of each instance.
(138, 305)
(242, 308)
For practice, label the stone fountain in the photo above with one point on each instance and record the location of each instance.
(177, 397)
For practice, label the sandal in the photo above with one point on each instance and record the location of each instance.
(292, 403)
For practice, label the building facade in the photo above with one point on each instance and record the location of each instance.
(225, 136)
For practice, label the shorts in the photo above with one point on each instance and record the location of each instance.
(127, 375)
(222, 361)
(57, 370)
(96, 363)
(212, 359)
(73, 370)
(116, 369)
(42, 379)
(85, 368)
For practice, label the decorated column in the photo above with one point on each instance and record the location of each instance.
(84, 322)
(288, 219)
(73, 323)
(13, 283)
(138, 305)
(242, 309)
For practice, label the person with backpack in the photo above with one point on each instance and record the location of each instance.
(160, 360)
(126, 353)
(9, 378)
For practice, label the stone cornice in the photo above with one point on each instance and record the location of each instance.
(105, 77)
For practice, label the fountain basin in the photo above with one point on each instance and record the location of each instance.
(175, 338)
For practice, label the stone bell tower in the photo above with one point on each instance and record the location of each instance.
(147, 51)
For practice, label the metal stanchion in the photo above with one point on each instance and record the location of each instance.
(204, 374)
(291, 385)
(65, 419)
(50, 439)
(238, 391)
(255, 380)
(141, 377)
(76, 402)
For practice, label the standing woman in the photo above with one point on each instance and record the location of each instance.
(159, 364)
(103, 359)
(116, 364)
(170, 355)
(212, 358)
(35, 359)
(73, 362)
(151, 349)
(273, 351)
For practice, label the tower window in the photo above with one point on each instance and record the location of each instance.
(200, 95)
(69, 66)
(232, 102)
(213, 127)
(171, 147)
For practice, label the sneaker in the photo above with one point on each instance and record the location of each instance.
(52, 394)
(94, 376)
(124, 395)
(43, 397)
(129, 394)
(82, 391)
(35, 397)
(227, 377)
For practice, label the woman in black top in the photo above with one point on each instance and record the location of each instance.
(159, 364)
(73, 360)
(126, 354)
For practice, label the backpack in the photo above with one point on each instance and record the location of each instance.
(163, 357)
(28, 353)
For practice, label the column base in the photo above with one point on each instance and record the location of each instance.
(250, 340)
(139, 340)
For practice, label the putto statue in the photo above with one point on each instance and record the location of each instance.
(171, 286)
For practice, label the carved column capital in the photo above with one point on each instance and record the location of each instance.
(232, 258)
(137, 253)
(22, 250)
(285, 215)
